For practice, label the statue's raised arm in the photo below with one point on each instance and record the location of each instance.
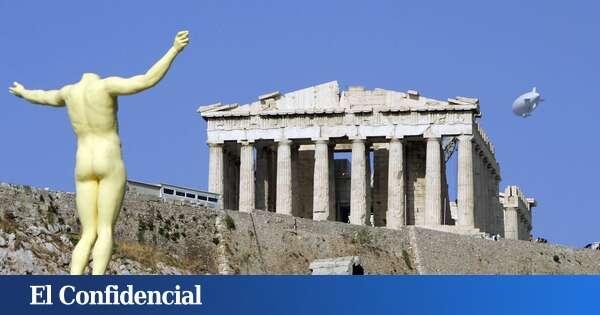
(125, 86)
(50, 98)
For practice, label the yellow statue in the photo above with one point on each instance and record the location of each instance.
(99, 170)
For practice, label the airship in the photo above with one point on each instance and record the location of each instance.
(525, 104)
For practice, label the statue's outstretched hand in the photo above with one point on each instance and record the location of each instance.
(17, 89)
(181, 40)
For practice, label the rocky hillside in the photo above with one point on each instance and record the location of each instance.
(37, 238)
(38, 229)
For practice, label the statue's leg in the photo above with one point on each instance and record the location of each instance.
(110, 195)
(86, 200)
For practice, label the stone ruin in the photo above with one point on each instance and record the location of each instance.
(278, 154)
(350, 265)
(517, 213)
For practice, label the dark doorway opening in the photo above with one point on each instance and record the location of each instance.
(357, 270)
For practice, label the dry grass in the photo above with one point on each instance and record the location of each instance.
(149, 256)
(7, 226)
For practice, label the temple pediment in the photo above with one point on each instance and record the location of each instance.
(327, 98)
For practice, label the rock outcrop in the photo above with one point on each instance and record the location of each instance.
(38, 229)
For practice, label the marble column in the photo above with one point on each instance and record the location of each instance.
(216, 177)
(396, 202)
(498, 206)
(358, 184)
(215, 168)
(484, 194)
(433, 183)
(477, 186)
(465, 194)
(246, 191)
(511, 223)
(488, 198)
(321, 211)
(262, 172)
(491, 209)
(284, 177)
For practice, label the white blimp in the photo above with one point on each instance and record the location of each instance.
(525, 104)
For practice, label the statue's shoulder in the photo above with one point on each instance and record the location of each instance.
(65, 90)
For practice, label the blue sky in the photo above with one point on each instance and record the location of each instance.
(241, 49)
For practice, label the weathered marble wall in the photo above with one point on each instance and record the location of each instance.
(415, 182)
(306, 166)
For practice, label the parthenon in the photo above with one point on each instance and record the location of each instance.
(278, 154)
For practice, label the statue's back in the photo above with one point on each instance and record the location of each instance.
(92, 110)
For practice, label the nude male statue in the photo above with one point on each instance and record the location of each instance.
(99, 170)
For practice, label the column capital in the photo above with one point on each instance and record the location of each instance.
(320, 140)
(214, 144)
(283, 141)
(394, 136)
(245, 142)
(357, 138)
(434, 138)
(396, 139)
(515, 209)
